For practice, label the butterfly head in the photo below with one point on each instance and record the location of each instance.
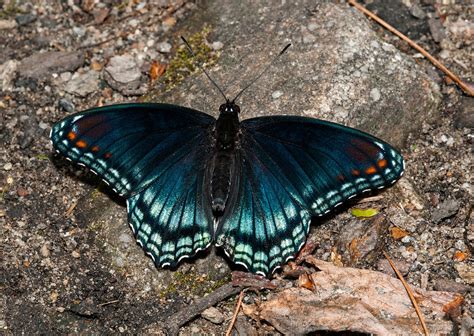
(230, 107)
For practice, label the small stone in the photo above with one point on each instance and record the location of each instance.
(384, 266)
(417, 12)
(66, 105)
(100, 15)
(277, 94)
(437, 30)
(22, 192)
(7, 166)
(7, 74)
(213, 315)
(60, 309)
(466, 272)
(7, 24)
(375, 94)
(308, 37)
(447, 285)
(125, 238)
(164, 47)
(445, 210)
(123, 74)
(121, 329)
(75, 254)
(464, 116)
(312, 26)
(218, 45)
(44, 251)
(25, 19)
(83, 84)
(42, 65)
(169, 22)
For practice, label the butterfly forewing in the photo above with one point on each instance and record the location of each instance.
(128, 145)
(154, 155)
(325, 163)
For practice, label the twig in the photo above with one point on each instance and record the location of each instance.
(108, 303)
(236, 312)
(410, 294)
(466, 88)
(69, 211)
(185, 315)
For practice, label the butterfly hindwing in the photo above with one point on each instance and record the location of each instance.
(171, 217)
(128, 144)
(264, 226)
(154, 155)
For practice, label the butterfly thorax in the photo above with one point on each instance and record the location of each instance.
(222, 169)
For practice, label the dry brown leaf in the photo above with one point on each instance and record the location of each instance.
(357, 300)
(460, 256)
(157, 69)
(398, 233)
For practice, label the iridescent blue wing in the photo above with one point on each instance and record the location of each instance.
(294, 168)
(154, 155)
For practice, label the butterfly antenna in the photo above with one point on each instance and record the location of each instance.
(261, 73)
(203, 70)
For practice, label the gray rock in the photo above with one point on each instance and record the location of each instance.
(417, 12)
(25, 19)
(213, 315)
(437, 29)
(83, 84)
(123, 74)
(7, 24)
(446, 209)
(66, 105)
(164, 47)
(7, 74)
(41, 66)
(464, 116)
(330, 78)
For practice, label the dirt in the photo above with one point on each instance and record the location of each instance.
(69, 263)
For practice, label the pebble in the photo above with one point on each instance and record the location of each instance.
(66, 105)
(445, 209)
(277, 94)
(218, 45)
(417, 12)
(45, 251)
(375, 94)
(75, 254)
(25, 19)
(123, 74)
(7, 166)
(41, 65)
(83, 84)
(164, 47)
(7, 74)
(7, 24)
(213, 315)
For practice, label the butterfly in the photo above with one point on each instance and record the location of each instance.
(252, 186)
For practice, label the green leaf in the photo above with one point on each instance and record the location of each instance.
(364, 213)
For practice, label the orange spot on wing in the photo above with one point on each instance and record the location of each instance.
(355, 172)
(371, 170)
(107, 155)
(382, 163)
(340, 177)
(71, 135)
(81, 144)
(95, 148)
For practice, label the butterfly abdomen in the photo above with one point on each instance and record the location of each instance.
(222, 168)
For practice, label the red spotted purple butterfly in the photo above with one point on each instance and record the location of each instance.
(250, 186)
